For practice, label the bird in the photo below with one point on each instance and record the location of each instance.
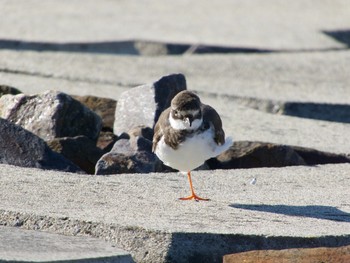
(187, 134)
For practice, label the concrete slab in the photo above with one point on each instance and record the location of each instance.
(320, 77)
(287, 207)
(19, 245)
(272, 24)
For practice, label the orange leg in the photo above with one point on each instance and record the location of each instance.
(193, 195)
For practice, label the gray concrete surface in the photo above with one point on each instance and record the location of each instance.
(275, 24)
(287, 207)
(18, 245)
(285, 77)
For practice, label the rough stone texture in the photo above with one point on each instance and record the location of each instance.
(244, 154)
(313, 157)
(141, 131)
(4, 89)
(81, 150)
(22, 148)
(18, 245)
(50, 115)
(104, 107)
(106, 140)
(141, 106)
(300, 255)
(132, 155)
(290, 207)
(250, 154)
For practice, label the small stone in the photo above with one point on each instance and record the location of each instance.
(81, 150)
(22, 148)
(142, 106)
(51, 115)
(253, 181)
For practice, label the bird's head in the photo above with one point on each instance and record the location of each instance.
(185, 113)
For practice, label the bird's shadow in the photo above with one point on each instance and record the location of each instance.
(312, 211)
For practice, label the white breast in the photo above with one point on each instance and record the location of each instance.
(191, 153)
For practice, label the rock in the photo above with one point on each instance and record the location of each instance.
(300, 255)
(141, 131)
(313, 157)
(22, 148)
(132, 155)
(103, 107)
(141, 106)
(81, 150)
(106, 140)
(245, 154)
(50, 115)
(4, 89)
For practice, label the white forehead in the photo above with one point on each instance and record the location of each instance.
(190, 112)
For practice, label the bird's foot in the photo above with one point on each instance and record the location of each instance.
(194, 197)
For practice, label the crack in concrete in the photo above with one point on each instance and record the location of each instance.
(68, 78)
(146, 48)
(309, 110)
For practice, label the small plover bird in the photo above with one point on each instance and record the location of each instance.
(187, 134)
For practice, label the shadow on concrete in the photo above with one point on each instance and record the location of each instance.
(342, 36)
(312, 211)
(210, 248)
(318, 111)
(127, 47)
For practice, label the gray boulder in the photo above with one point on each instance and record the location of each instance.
(51, 115)
(250, 154)
(22, 148)
(80, 150)
(141, 106)
(246, 154)
(132, 155)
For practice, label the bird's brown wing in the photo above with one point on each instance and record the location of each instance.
(212, 117)
(160, 127)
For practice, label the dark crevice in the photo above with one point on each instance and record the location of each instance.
(142, 48)
(128, 47)
(318, 111)
(309, 110)
(342, 36)
(67, 78)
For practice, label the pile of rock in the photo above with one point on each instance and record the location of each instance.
(30, 124)
(88, 134)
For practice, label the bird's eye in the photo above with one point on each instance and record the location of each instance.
(176, 112)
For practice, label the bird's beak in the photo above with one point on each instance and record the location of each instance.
(189, 121)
